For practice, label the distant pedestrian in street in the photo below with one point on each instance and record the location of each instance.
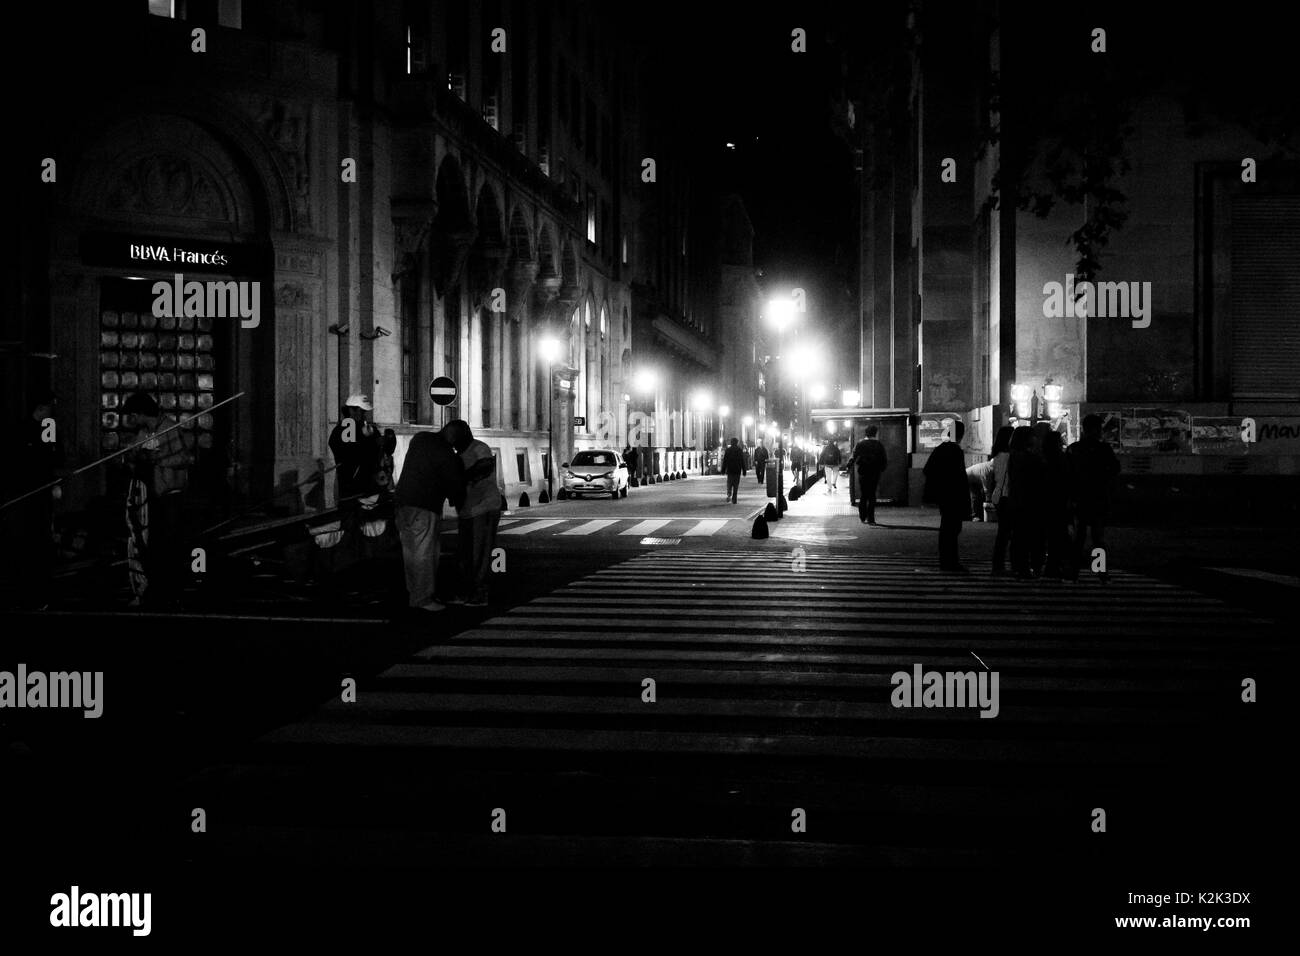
(478, 515)
(1025, 474)
(1054, 509)
(760, 462)
(1092, 468)
(733, 466)
(945, 486)
(160, 473)
(869, 460)
(830, 460)
(432, 474)
(631, 458)
(1000, 458)
(796, 462)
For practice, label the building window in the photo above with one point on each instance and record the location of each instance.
(521, 466)
(487, 327)
(625, 248)
(163, 8)
(604, 321)
(410, 373)
(591, 217)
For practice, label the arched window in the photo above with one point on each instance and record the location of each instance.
(604, 321)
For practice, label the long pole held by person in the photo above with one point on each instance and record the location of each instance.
(120, 451)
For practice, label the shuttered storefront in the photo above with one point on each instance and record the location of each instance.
(1265, 295)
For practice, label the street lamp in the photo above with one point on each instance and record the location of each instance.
(644, 383)
(817, 392)
(549, 349)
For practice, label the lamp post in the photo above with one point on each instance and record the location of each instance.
(549, 349)
(703, 403)
(645, 383)
(780, 312)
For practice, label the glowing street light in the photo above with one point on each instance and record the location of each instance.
(646, 380)
(817, 392)
(748, 421)
(851, 399)
(781, 312)
(724, 411)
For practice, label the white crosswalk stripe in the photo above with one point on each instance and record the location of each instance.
(530, 526)
(578, 527)
(755, 660)
(589, 527)
(646, 527)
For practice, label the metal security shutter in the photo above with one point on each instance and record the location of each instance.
(1265, 290)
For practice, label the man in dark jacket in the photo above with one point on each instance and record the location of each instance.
(945, 486)
(1092, 469)
(358, 451)
(830, 461)
(432, 474)
(870, 460)
(733, 466)
(760, 462)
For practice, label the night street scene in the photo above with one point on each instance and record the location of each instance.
(750, 465)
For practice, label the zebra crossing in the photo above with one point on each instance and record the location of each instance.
(622, 527)
(772, 681)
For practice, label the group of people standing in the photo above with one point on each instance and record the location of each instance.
(1050, 500)
(446, 466)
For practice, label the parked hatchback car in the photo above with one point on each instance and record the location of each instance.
(598, 471)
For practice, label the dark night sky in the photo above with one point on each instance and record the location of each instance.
(740, 82)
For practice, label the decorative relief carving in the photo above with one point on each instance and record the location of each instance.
(166, 184)
(287, 125)
(289, 295)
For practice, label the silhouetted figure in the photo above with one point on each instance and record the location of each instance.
(1054, 505)
(1025, 474)
(432, 474)
(478, 515)
(733, 466)
(870, 460)
(830, 461)
(945, 486)
(760, 462)
(1092, 468)
(1000, 458)
(358, 451)
(160, 474)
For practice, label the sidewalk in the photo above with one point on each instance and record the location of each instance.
(1250, 566)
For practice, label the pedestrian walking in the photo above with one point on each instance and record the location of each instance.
(870, 461)
(1025, 474)
(1054, 509)
(760, 462)
(1092, 468)
(999, 497)
(478, 516)
(830, 460)
(160, 473)
(796, 463)
(631, 458)
(432, 474)
(733, 466)
(945, 486)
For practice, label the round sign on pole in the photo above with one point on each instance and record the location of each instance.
(442, 390)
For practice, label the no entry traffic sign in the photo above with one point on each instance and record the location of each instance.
(442, 390)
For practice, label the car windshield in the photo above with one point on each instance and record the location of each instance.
(599, 459)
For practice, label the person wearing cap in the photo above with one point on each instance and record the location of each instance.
(358, 449)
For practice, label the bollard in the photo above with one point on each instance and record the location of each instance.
(796, 493)
(770, 512)
(760, 528)
(523, 500)
(543, 498)
(781, 506)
